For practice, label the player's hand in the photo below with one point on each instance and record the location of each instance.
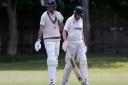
(64, 46)
(38, 45)
(84, 46)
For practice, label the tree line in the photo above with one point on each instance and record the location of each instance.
(13, 5)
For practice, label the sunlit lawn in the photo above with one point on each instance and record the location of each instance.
(102, 71)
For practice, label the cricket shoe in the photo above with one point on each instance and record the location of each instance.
(52, 83)
(64, 83)
(84, 84)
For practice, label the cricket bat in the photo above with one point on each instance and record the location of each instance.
(75, 69)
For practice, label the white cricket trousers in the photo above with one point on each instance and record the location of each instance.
(52, 49)
(75, 49)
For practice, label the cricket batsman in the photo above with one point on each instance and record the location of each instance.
(50, 24)
(74, 46)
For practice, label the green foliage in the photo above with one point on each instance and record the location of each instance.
(69, 4)
(109, 3)
(28, 4)
(60, 5)
(22, 57)
(115, 5)
(23, 4)
(72, 3)
(3, 3)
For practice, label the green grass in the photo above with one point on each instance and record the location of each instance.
(103, 70)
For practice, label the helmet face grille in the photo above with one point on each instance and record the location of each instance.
(79, 10)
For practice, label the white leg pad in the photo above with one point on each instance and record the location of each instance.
(52, 65)
(52, 62)
(84, 71)
(67, 71)
(51, 74)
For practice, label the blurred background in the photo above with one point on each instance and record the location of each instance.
(105, 31)
(19, 24)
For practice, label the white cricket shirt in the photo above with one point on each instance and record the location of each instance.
(74, 28)
(51, 29)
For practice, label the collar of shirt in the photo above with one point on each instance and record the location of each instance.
(74, 20)
(52, 14)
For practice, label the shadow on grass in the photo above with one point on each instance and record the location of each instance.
(94, 61)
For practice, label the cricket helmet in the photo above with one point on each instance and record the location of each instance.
(79, 11)
(51, 3)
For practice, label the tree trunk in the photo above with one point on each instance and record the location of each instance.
(86, 24)
(13, 35)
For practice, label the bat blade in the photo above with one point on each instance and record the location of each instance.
(75, 69)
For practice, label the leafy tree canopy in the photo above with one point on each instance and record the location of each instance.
(109, 3)
(62, 5)
(23, 4)
(27, 4)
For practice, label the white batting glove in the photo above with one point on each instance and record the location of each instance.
(64, 46)
(38, 45)
(84, 46)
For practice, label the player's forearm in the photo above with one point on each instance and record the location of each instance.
(64, 33)
(40, 32)
(83, 38)
(61, 26)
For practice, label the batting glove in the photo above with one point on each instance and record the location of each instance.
(84, 46)
(64, 46)
(38, 45)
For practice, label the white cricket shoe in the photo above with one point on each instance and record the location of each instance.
(64, 83)
(84, 84)
(52, 84)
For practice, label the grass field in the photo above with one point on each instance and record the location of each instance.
(106, 70)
